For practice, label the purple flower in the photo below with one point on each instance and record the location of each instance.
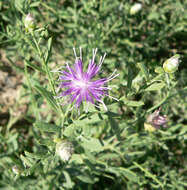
(157, 120)
(80, 86)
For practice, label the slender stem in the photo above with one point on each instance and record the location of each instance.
(44, 64)
(148, 174)
(167, 80)
(36, 113)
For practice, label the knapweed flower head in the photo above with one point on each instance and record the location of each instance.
(171, 64)
(64, 149)
(29, 22)
(81, 86)
(156, 120)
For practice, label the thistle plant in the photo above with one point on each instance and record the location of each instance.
(48, 145)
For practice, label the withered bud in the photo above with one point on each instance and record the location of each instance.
(157, 120)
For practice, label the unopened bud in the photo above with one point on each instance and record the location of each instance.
(64, 149)
(29, 22)
(16, 170)
(135, 8)
(171, 64)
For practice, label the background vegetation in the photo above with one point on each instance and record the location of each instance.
(112, 150)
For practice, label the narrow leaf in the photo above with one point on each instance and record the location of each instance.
(35, 67)
(47, 127)
(129, 174)
(144, 70)
(46, 94)
(155, 86)
(132, 103)
(49, 47)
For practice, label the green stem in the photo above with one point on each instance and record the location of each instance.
(168, 80)
(51, 82)
(36, 113)
(44, 64)
(148, 174)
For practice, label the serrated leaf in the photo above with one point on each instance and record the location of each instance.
(47, 127)
(155, 86)
(46, 94)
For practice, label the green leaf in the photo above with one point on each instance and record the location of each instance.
(35, 67)
(129, 174)
(131, 103)
(155, 86)
(69, 184)
(46, 142)
(77, 159)
(144, 70)
(92, 144)
(35, 4)
(159, 70)
(153, 16)
(34, 155)
(19, 4)
(86, 178)
(69, 130)
(47, 127)
(89, 120)
(26, 161)
(129, 78)
(49, 47)
(46, 94)
(30, 170)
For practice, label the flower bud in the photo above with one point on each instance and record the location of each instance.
(135, 8)
(64, 149)
(149, 127)
(171, 64)
(29, 22)
(16, 170)
(156, 120)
